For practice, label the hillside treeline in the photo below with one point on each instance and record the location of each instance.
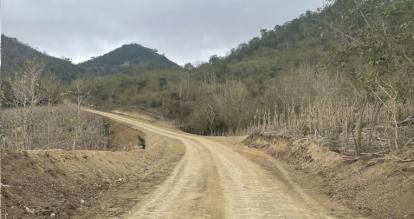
(343, 75)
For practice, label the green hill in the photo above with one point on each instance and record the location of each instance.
(343, 36)
(341, 55)
(127, 57)
(132, 57)
(16, 54)
(348, 56)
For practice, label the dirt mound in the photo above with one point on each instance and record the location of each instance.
(376, 186)
(123, 138)
(84, 184)
(274, 144)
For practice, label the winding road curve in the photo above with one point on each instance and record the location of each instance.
(213, 181)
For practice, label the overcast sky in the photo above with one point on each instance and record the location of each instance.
(183, 30)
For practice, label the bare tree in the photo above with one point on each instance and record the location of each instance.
(50, 88)
(25, 88)
(388, 97)
(80, 95)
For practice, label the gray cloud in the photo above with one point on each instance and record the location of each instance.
(184, 30)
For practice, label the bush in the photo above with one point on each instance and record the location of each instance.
(1, 135)
(141, 142)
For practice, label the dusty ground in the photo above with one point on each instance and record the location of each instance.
(214, 181)
(376, 187)
(124, 137)
(216, 177)
(85, 184)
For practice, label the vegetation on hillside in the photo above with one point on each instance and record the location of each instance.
(343, 75)
(126, 57)
(16, 55)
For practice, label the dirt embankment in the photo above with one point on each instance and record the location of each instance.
(85, 184)
(213, 181)
(378, 187)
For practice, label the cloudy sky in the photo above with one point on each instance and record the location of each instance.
(183, 30)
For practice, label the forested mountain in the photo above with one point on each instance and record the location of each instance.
(15, 55)
(22, 64)
(332, 73)
(127, 57)
(344, 36)
(132, 57)
(345, 54)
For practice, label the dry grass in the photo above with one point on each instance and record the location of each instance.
(46, 128)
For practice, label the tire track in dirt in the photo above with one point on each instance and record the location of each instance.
(213, 181)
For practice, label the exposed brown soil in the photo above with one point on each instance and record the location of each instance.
(214, 181)
(85, 184)
(377, 187)
(216, 177)
(123, 137)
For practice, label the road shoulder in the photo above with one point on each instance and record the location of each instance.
(299, 181)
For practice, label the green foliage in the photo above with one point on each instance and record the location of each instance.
(380, 34)
(141, 142)
(1, 135)
(144, 87)
(346, 38)
(360, 43)
(15, 55)
(132, 56)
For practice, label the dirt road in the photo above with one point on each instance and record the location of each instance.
(213, 181)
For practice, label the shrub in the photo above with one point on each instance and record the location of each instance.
(141, 142)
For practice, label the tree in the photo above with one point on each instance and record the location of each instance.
(80, 95)
(213, 59)
(188, 67)
(50, 88)
(25, 88)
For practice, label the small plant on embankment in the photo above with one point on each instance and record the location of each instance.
(141, 142)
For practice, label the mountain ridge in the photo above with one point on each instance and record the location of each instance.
(127, 56)
(16, 54)
(133, 56)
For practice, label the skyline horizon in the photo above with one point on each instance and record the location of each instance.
(186, 32)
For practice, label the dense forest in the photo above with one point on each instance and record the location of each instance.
(343, 75)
